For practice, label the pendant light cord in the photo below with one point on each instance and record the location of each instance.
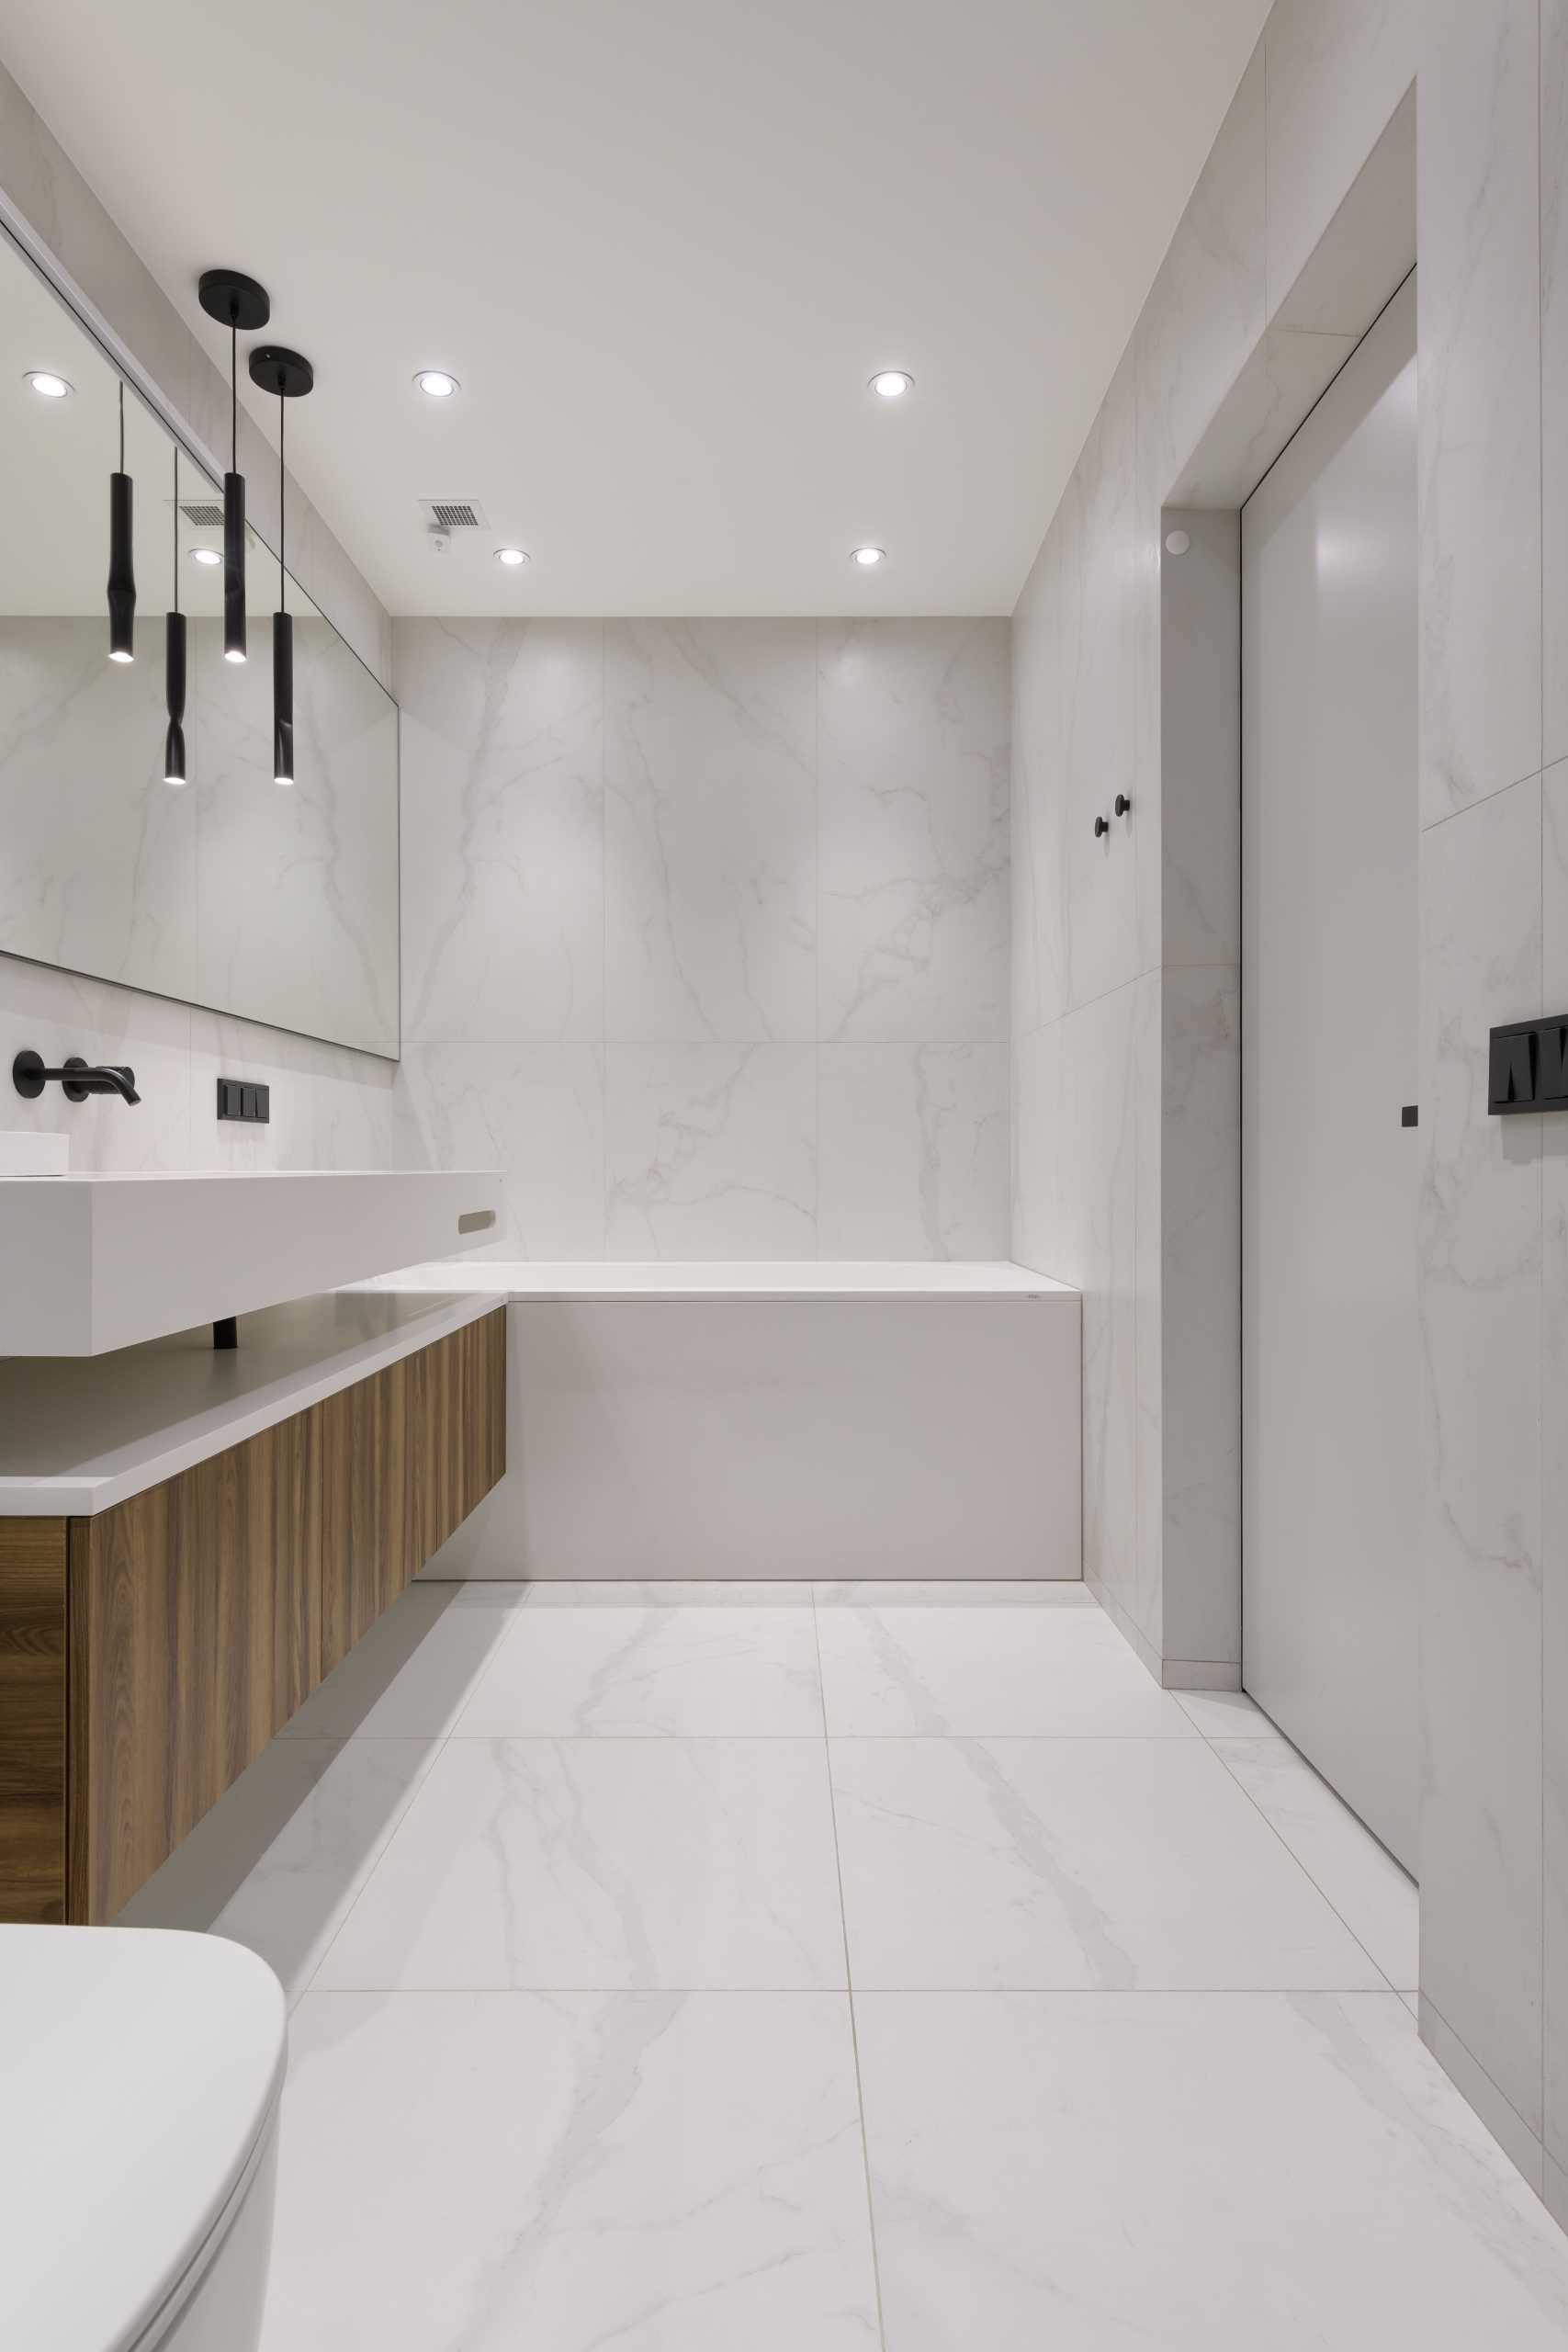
(122, 424)
(233, 387)
(176, 526)
(282, 506)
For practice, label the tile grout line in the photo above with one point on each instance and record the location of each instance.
(1215, 1748)
(849, 1982)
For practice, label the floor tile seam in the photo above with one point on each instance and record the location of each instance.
(849, 1983)
(439, 1745)
(1295, 1857)
(1317, 1990)
(1106, 1993)
(804, 1738)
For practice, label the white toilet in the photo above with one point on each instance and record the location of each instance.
(140, 2076)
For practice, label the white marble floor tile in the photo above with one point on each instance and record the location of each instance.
(1226, 1714)
(1028, 1674)
(609, 1864)
(693, 1672)
(657, 2172)
(279, 1861)
(1071, 1862)
(959, 1593)
(409, 1677)
(1376, 1898)
(1198, 2173)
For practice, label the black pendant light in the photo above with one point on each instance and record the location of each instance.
(272, 369)
(122, 564)
(175, 662)
(235, 302)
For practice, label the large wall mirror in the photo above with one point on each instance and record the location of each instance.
(279, 903)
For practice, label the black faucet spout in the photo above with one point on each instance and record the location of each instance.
(77, 1079)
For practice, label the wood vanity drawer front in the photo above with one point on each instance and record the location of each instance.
(148, 1654)
(195, 1618)
(367, 1515)
(33, 1720)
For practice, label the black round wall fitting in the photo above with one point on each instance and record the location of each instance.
(283, 373)
(1102, 825)
(1123, 805)
(234, 300)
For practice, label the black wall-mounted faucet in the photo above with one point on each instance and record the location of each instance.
(78, 1079)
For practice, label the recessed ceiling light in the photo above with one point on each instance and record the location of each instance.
(48, 388)
(205, 555)
(512, 556)
(868, 556)
(436, 382)
(892, 383)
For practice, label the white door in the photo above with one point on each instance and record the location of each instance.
(1330, 1368)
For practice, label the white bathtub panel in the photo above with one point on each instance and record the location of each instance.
(776, 1438)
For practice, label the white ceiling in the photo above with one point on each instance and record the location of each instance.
(663, 243)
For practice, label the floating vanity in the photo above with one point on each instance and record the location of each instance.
(836, 1420)
(191, 1538)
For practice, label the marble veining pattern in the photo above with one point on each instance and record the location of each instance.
(617, 2020)
(728, 903)
(912, 762)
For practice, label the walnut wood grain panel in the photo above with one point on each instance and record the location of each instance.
(258, 1533)
(33, 1720)
(367, 1538)
(195, 1632)
(435, 1439)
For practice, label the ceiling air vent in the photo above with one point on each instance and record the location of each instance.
(452, 515)
(207, 514)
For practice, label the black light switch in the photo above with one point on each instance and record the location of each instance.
(1527, 1066)
(239, 1098)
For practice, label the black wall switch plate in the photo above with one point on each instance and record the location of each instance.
(239, 1098)
(1527, 1066)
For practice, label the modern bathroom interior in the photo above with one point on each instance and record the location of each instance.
(783, 1259)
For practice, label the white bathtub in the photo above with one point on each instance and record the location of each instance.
(750, 1421)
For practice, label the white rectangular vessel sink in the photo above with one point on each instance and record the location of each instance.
(93, 1263)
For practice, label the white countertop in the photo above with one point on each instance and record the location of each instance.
(730, 1278)
(78, 1434)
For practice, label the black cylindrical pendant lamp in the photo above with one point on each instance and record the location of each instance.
(175, 664)
(288, 376)
(234, 567)
(122, 559)
(175, 680)
(283, 697)
(236, 301)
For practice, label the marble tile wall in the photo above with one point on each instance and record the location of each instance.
(1305, 204)
(706, 932)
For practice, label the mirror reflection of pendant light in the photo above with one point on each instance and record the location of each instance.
(235, 302)
(175, 662)
(272, 369)
(122, 565)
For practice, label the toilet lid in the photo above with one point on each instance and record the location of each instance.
(138, 2070)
